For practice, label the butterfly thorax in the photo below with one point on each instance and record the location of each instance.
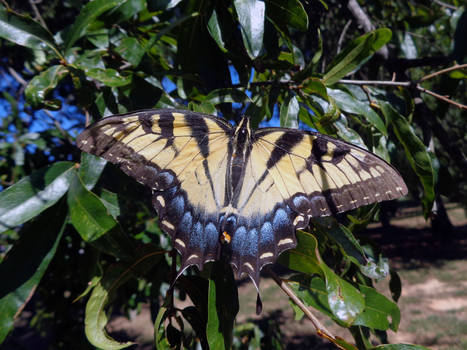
(241, 147)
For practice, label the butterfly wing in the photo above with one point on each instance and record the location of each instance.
(292, 175)
(182, 156)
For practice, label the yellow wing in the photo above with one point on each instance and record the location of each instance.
(183, 157)
(291, 176)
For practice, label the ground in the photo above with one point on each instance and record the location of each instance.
(434, 290)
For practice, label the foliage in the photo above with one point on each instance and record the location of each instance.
(269, 59)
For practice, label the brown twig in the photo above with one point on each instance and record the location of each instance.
(37, 13)
(443, 4)
(320, 328)
(442, 71)
(341, 37)
(441, 97)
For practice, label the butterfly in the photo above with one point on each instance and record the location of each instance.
(237, 192)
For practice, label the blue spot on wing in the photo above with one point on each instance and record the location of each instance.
(267, 233)
(281, 220)
(251, 243)
(177, 206)
(211, 235)
(197, 239)
(238, 239)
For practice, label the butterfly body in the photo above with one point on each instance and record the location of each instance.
(241, 191)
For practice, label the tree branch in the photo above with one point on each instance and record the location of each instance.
(363, 19)
(320, 328)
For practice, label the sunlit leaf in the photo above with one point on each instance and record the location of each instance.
(33, 194)
(251, 17)
(356, 54)
(289, 112)
(91, 169)
(24, 31)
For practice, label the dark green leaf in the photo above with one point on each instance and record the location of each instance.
(415, 151)
(289, 112)
(41, 85)
(110, 200)
(109, 77)
(346, 102)
(91, 169)
(125, 11)
(251, 17)
(290, 12)
(215, 31)
(379, 313)
(131, 50)
(356, 54)
(87, 213)
(460, 44)
(343, 236)
(226, 95)
(37, 245)
(33, 194)
(222, 306)
(88, 15)
(24, 31)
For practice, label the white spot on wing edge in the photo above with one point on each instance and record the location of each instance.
(266, 255)
(160, 200)
(168, 224)
(192, 256)
(249, 266)
(285, 241)
(180, 242)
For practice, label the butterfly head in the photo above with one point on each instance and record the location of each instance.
(243, 130)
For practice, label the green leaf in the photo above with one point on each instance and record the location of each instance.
(226, 95)
(87, 213)
(222, 306)
(33, 194)
(399, 347)
(24, 31)
(415, 151)
(91, 169)
(110, 200)
(20, 278)
(344, 300)
(343, 236)
(251, 17)
(109, 77)
(290, 12)
(289, 112)
(215, 31)
(41, 85)
(88, 15)
(131, 50)
(348, 103)
(356, 54)
(95, 316)
(379, 312)
(160, 338)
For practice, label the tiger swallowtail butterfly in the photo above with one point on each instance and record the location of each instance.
(243, 192)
